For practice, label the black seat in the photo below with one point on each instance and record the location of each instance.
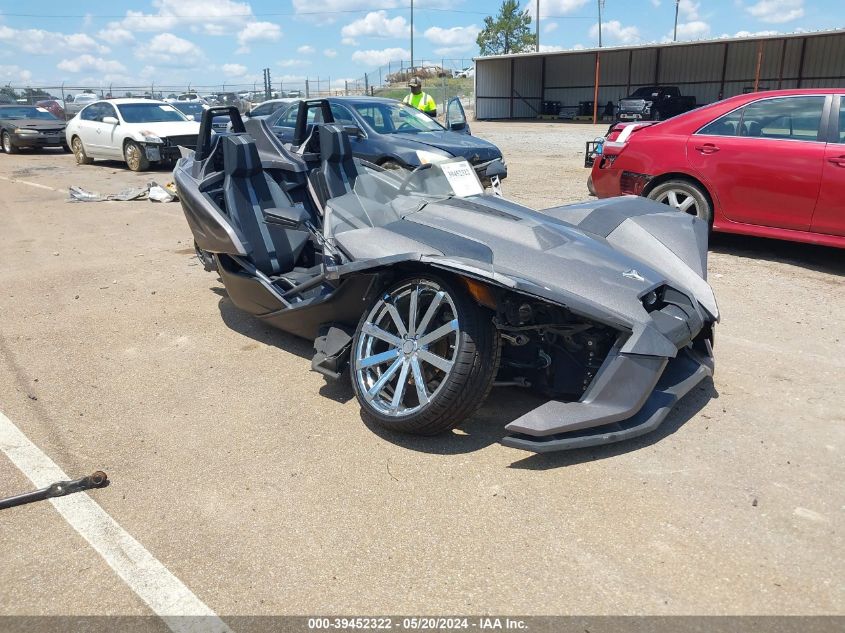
(337, 164)
(248, 191)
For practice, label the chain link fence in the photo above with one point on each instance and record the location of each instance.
(443, 80)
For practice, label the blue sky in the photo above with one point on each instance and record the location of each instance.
(137, 42)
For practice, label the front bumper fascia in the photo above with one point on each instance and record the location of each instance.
(641, 393)
(37, 140)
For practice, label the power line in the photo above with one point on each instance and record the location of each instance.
(228, 16)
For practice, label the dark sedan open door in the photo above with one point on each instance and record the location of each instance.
(456, 118)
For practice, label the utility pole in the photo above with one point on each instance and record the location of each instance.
(675, 36)
(601, 6)
(537, 26)
(412, 36)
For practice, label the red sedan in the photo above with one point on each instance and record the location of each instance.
(770, 164)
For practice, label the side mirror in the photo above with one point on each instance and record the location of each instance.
(110, 120)
(496, 168)
(287, 217)
(353, 130)
(457, 126)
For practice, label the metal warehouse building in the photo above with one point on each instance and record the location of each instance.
(515, 86)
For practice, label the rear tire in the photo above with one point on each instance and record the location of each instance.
(79, 152)
(442, 367)
(8, 146)
(684, 195)
(135, 157)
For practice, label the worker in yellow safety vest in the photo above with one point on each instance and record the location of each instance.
(419, 99)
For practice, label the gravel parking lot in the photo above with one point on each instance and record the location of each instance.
(257, 484)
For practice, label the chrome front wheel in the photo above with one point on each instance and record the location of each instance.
(407, 348)
(423, 357)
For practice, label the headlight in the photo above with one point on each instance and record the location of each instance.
(430, 157)
(24, 132)
(150, 137)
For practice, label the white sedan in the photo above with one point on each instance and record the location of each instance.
(136, 131)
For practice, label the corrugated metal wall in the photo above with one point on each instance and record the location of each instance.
(515, 88)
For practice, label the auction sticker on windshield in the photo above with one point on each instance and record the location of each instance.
(462, 178)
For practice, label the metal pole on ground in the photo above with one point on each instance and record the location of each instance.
(601, 2)
(759, 64)
(537, 26)
(596, 91)
(412, 35)
(675, 33)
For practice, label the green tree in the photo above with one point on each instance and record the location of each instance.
(9, 92)
(510, 32)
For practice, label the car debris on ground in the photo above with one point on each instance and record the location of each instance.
(153, 192)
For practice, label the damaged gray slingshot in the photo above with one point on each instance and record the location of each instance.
(431, 291)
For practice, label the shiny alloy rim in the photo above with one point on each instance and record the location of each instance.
(680, 200)
(77, 149)
(133, 157)
(407, 348)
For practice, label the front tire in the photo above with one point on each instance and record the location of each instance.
(684, 195)
(79, 152)
(8, 146)
(423, 357)
(135, 157)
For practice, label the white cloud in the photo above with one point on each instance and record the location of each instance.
(457, 36)
(380, 57)
(330, 52)
(85, 63)
(327, 11)
(258, 31)
(293, 62)
(14, 73)
(751, 34)
(213, 17)
(116, 34)
(233, 70)
(550, 48)
(555, 7)
(688, 10)
(655, 3)
(694, 30)
(168, 49)
(348, 41)
(40, 42)
(777, 11)
(306, 50)
(614, 32)
(548, 27)
(376, 24)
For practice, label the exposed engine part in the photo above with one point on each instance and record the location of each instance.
(515, 339)
(557, 352)
(518, 381)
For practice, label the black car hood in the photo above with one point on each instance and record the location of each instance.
(34, 124)
(474, 149)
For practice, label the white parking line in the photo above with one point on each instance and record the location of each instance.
(25, 182)
(146, 576)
